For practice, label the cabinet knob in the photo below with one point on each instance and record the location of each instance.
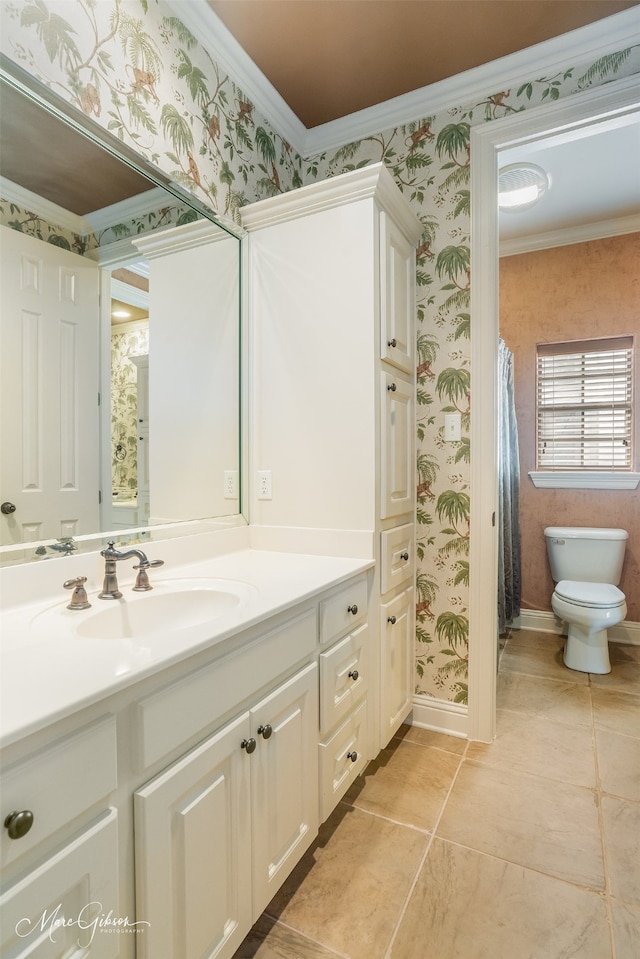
(392, 387)
(352, 756)
(18, 824)
(352, 609)
(392, 620)
(354, 674)
(248, 744)
(265, 731)
(404, 556)
(392, 342)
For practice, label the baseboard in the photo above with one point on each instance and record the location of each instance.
(440, 715)
(546, 622)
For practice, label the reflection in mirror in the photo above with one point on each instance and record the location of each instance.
(108, 422)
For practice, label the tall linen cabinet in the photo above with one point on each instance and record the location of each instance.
(331, 280)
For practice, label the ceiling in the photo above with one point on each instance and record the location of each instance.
(330, 58)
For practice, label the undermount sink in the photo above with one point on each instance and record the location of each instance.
(169, 606)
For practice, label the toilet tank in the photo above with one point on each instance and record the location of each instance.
(586, 554)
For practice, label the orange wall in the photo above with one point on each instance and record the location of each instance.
(567, 293)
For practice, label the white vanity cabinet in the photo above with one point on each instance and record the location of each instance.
(332, 281)
(218, 832)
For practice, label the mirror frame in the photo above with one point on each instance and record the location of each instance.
(24, 83)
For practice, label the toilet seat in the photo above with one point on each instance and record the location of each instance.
(590, 595)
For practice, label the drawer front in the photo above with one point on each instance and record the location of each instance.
(342, 757)
(50, 914)
(343, 610)
(343, 678)
(59, 783)
(192, 704)
(397, 556)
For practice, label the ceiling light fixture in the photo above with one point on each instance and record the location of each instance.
(520, 185)
(121, 314)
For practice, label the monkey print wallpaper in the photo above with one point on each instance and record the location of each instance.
(137, 70)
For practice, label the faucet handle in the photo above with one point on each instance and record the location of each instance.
(142, 580)
(79, 599)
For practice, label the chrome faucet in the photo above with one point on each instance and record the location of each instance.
(112, 556)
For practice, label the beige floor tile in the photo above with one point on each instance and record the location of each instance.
(623, 676)
(348, 890)
(538, 823)
(624, 653)
(467, 905)
(428, 737)
(407, 783)
(535, 745)
(538, 661)
(272, 940)
(626, 930)
(616, 711)
(619, 764)
(536, 637)
(622, 847)
(567, 702)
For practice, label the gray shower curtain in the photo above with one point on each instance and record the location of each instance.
(509, 578)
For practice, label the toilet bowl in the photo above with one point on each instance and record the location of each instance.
(586, 564)
(588, 609)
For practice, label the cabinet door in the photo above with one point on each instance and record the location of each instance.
(284, 782)
(396, 633)
(397, 306)
(397, 432)
(193, 851)
(60, 909)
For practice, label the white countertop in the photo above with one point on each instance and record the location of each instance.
(47, 674)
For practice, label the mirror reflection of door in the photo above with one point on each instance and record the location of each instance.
(49, 418)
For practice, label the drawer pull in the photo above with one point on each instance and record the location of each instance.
(392, 342)
(18, 824)
(392, 620)
(352, 756)
(393, 388)
(248, 744)
(353, 609)
(354, 674)
(404, 556)
(265, 731)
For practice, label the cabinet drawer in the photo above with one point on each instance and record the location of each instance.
(50, 914)
(58, 784)
(191, 705)
(342, 757)
(343, 610)
(343, 678)
(397, 556)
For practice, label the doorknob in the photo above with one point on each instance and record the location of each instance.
(8, 508)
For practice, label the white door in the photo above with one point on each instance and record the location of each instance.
(396, 660)
(193, 852)
(397, 439)
(284, 782)
(48, 390)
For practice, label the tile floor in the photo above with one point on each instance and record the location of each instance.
(528, 848)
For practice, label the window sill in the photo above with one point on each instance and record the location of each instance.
(577, 480)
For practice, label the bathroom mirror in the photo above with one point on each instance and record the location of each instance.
(98, 434)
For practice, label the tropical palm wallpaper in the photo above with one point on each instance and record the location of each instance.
(136, 69)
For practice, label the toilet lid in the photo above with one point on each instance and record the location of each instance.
(599, 595)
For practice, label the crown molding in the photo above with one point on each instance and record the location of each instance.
(177, 239)
(130, 209)
(617, 32)
(54, 215)
(599, 230)
(372, 181)
(129, 294)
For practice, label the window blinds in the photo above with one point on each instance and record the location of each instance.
(584, 404)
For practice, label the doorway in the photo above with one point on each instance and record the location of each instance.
(568, 117)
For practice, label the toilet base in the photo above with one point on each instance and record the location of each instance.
(587, 652)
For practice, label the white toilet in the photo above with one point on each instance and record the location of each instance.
(586, 565)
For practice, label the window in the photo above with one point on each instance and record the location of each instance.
(584, 405)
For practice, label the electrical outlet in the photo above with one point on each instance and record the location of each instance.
(230, 484)
(264, 484)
